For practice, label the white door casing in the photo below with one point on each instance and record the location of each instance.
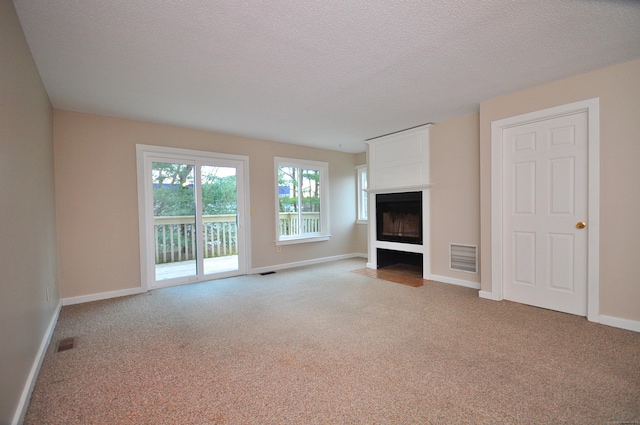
(545, 179)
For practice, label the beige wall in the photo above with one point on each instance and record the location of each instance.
(618, 88)
(96, 194)
(455, 196)
(28, 265)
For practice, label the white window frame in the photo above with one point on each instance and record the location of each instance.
(362, 184)
(324, 234)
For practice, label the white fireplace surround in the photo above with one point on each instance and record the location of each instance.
(399, 162)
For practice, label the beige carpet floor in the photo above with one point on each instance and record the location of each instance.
(322, 345)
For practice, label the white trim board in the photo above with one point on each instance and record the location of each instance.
(102, 296)
(139, 290)
(284, 266)
(488, 295)
(592, 107)
(454, 281)
(617, 322)
(23, 404)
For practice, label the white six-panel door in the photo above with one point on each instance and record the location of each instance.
(544, 194)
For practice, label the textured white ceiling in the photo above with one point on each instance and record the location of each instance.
(326, 73)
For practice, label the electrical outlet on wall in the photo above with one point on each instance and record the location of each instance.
(278, 248)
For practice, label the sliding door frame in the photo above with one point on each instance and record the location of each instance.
(144, 153)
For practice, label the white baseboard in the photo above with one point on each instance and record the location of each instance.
(488, 295)
(134, 291)
(617, 322)
(102, 296)
(454, 281)
(258, 270)
(21, 410)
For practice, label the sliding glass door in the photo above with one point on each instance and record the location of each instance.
(219, 194)
(193, 210)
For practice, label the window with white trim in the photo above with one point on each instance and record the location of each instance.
(363, 198)
(302, 201)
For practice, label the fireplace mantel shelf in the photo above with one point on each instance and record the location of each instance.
(399, 189)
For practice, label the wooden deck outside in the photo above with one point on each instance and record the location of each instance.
(187, 268)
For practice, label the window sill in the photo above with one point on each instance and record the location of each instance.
(362, 221)
(303, 239)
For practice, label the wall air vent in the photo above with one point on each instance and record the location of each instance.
(463, 258)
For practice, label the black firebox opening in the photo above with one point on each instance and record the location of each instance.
(399, 217)
(388, 257)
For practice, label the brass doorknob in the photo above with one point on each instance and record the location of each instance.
(581, 225)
